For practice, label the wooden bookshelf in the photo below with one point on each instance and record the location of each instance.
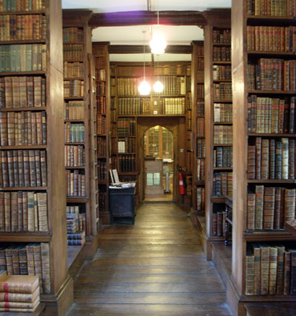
(34, 185)
(102, 99)
(249, 89)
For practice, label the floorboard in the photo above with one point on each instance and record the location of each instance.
(155, 267)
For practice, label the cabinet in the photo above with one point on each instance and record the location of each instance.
(32, 194)
(264, 159)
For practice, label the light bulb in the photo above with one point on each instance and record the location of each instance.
(144, 88)
(158, 44)
(158, 87)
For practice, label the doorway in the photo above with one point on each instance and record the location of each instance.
(158, 164)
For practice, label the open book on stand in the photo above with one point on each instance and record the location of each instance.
(115, 183)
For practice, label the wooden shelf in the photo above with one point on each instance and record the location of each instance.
(199, 182)
(43, 108)
(74, 168)
(24, 189)
(222, 101)
(24, 237)
(222, 169)
(22, 12)
(75, 121)
(74, 98)
(218, 199)
(257, 236)
(23, 147)
(253, 52)
(269, 181)
(23, 73)
(221, 44)
(82, 144)
(222, 123)
(76, 199)
(222, 145)
(272, 92)
(270, 135)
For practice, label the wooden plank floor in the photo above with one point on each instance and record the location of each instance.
(155, 267)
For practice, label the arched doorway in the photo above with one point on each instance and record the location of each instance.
(158, 164)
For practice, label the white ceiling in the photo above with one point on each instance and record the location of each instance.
(133, 35)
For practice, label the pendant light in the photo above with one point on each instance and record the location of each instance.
(144, 87)
(158, 86)
(158, 43)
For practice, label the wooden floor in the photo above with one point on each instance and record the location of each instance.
(155, 267)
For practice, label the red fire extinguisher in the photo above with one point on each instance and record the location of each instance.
(182, 183)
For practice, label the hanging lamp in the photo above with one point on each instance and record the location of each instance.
(144, 87)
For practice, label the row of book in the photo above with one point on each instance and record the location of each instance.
(189, 120)
(76, 239)
(127, 163)
(200, 126)
(73, 69)
(101, 88)
(271, 8)
(221, 53)
(221, 36)
(222, 72)
(270, 207)
(173, 85)
(100, 61)
(75, 183)
(102, 170)
(271, 115)
(103, 201)
(218, 224)
(74, 110)
(19, 293)
(222, 157)
(174, 106)
(73, 88)
(222, 112)
(200, 169)
(73, 34)
(23, 27)
(27, 259)
(74, 132)
(22, 92)
(126, 127)
(128, 86)
(271, 38)
(222, 91)
(12, 57)
(271, 159)
(73, 52)
(101, 73)
(200, 148)
(23, 168)
(101, 104)
(22, 128)
(200, 198)
(22, 5)
(270, 269)
(222, 184)
(223, 135)
(272, 74)
(74, 156)
(200, 91)
(101, 147)
(101, 124)
(200, 108)
(130, 106)
(127, 145)
(76, 219)
(23, 211)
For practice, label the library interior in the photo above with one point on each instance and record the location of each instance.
(143, 182)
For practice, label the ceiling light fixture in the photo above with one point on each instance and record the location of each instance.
(144, 87)
(158, 43)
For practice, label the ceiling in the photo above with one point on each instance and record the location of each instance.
(133, 35)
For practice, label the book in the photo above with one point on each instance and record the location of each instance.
(19, 297)
(18, 283)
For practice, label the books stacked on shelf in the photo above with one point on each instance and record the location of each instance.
(130, 106)
(76, 239)
(221, 72)
(23, 168)
(271, 115)
(20, 5)
(73, 69)
(102, 147)
(128, 86)
(172, 85)
(102, 170)
(222, 113)
(270, 269)
(127, 163)
(221, 53)
(23, 128)
(222, 157)
(223, 135)
(218, 224)
(74, 88)
(23, 211)
(222, 91)
(72, 34)
(74, 110)
(101, 125)
(200, 92)
(12, 60)
(74, 156)
(271, 158)
(200, 169)
(28, 259)
(271, 38)
(101, 89)
(101, 104)
(200, 148)
(127, 145)
(189, 120)
(75, 235)
(174, 106)
(200, 198)
(221, 36)
(19, 293)
(172, 69)
(126, 127)
(75, 183)
(73, 52)
(222, 184)
(200, 127)
(270, 207)
(74, 132)
(271, 8)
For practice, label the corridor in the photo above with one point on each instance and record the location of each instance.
(155, 267)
